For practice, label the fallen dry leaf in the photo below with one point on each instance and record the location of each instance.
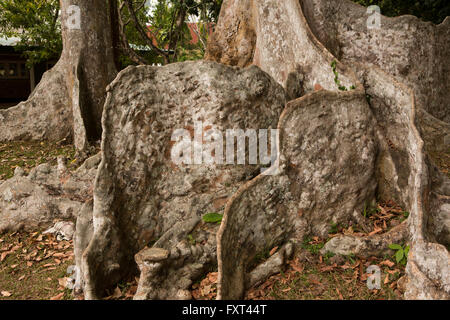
(393, 271)
(62, 282)
(131, 292)
(58, 297)
(339, 293)
(4, 254)
(377, 230)
(117, 293)
(296, 265)
(388, 263)
(59, 255)
(212, 277)
(272, 252)
(346, 266)
(48, 265)
(328, 268)
(6, 294)
(206, 290)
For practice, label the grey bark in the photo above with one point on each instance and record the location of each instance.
(403, 69)
(141, 198)
(68, 102)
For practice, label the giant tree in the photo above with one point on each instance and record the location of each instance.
(69, 99)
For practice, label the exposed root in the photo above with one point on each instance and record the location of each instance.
(370, 246)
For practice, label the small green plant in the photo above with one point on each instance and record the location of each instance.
(191, 239)
(401, 253)
(352, 258)
(327, 256)
(213, 217)
(313, 248)
(405, 215)
(336, 78)
(334, 228)
(369, 210)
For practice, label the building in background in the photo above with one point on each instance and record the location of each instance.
(16, 80)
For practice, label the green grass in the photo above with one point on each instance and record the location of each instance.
(35, 281)
(312, 247)
(28, 155)
(313, 284)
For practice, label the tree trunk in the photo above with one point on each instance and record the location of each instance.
(69, 99)
(295, 41)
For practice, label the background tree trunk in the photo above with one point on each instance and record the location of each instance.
(69, 99)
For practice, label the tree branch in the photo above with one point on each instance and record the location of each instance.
(143, 32)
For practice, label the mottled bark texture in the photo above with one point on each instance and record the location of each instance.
(403, 68)
(337, 150)
(142, 199)
(68, 102)
(327, 166)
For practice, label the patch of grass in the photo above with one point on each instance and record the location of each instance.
(351, 258)
(28, 155)
(191, 239)
(313, 246)
(327, 256)
(369, 211)
(33, 268)
(313, 284)
(334, 228)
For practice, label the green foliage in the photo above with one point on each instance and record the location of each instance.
(369, 210)
(334, 228)
(405, 216)
(36, 24)
(427, 10)
(313, 248)
(213, 218)
(327, 256)
(162, 17)
(352, 258)
(401, 253)
(336, 78)
(191, 239)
